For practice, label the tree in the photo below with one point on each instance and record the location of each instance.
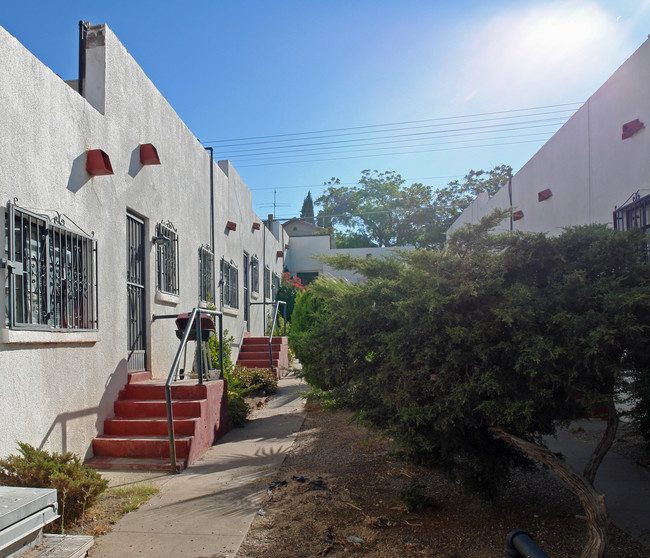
(469, 357)
(307, 211)
(383, 211)
(456, 196)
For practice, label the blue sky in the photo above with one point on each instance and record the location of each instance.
(317, 83)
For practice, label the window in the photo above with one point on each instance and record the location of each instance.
(206, 277)
(255, 274)
(634, 214)
(229, 284)
(267, 282)
(52, 279)
(276, 285)
(167, 257)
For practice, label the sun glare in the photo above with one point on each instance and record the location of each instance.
(525, 55)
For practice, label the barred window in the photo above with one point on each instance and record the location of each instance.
(276, 286)
(52, 279)
(206, 276)
(255, 275)
(230, 284)
(167, 257)
(267, 282)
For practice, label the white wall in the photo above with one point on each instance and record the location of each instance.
(57, 388)
(586, 164)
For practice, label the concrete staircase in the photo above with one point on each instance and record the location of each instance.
(254, 353)
(136, 438)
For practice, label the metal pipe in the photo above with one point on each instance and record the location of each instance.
(83, 32)
(211, 150)
(519, 544)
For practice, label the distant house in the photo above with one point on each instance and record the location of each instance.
(308, 242)
(114, 214)
(298, 227)
(596, 165)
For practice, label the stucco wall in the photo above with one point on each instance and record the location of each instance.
(586, 164)
(57, 388)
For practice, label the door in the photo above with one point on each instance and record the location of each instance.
(246, 295)
(135, 288)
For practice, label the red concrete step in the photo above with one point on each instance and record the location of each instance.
(151, 391)
(135, 377)
(248, 341)
(264, 363)
(104, 463)
(257, 356)
(133, 446)
(135, 408)
(119, 426)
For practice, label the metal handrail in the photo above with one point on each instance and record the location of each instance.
(275, 317)
(174, 369)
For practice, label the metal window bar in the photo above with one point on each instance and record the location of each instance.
(229, 284)
(276, 285)
(267, 282)
(167, 253)
(206, 276)
(52, 274)
(635, 214)
(255, 275)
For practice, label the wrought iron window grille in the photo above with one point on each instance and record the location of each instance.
(166, 241)
(267, 282)
(52, 272)
(229, 284)
(276, 286)
(255, 274)
(206, 274)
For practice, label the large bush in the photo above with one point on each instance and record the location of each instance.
(469, 356)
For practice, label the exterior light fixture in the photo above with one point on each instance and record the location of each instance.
(231, 226)
(517, 215)
(544, 195)
(280, 254)
(98, 163)
(256, 226)
(149, 154)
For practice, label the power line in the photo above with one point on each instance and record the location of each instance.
(459, 132)
(371, 126)
(276, 162)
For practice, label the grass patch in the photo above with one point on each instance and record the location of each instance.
(110, 506)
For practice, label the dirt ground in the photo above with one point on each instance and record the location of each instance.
(342, 496)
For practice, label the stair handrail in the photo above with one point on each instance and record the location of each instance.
(174, 369)
(275, 317)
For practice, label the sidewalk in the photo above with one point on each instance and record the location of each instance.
(206, 510)
(625, 484)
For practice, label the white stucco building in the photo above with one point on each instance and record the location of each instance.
(114, 213)
(596, 162)
(307, 243)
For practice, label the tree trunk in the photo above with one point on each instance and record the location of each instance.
(603, 446)
(592, 502)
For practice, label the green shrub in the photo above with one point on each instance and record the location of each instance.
(237, 408)
(76, 484)
(247, 380)
(414, 498)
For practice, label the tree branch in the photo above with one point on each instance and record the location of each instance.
(592, 502)
(596, 458)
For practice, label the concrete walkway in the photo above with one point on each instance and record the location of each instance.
(207, 510)
(625, 484)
